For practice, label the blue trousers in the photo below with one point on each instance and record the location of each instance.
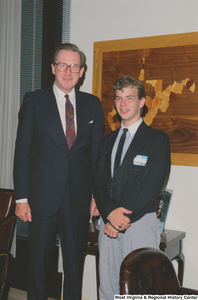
(42, 235)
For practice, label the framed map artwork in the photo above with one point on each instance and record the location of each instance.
(168, 67)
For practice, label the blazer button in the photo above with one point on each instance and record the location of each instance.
(65, 171)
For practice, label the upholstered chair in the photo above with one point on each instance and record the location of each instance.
(149, 271)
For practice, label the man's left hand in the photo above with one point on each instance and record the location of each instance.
(94, 210)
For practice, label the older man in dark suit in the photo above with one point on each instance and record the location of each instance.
(56, 149)
(132, 166)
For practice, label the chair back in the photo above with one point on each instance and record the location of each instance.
(148, 271)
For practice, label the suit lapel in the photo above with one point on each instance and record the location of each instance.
(82, 110)
(134, 148)
(52, 113)
(110, 143)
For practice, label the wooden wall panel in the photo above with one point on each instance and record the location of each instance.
(168, 67)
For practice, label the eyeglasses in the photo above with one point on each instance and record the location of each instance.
(62, 67)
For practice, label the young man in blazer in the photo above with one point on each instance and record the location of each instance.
(56, 149)
(127, 191)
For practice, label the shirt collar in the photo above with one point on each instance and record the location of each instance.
(60, 95)
(133, 128)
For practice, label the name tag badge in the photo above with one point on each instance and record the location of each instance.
(140, 160)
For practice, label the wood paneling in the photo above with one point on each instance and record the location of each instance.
(171, 63)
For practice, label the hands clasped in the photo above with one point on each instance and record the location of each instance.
(118, 222)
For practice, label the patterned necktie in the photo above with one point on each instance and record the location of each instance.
(119, 152)
(69, 115)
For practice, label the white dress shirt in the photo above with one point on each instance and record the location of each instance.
(60, 100)
(129, 137)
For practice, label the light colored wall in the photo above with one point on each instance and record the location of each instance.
(100, 20)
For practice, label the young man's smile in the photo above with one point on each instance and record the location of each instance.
(128, 105)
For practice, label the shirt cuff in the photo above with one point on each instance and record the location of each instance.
(24, 200)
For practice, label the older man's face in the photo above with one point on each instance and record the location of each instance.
(67, 80)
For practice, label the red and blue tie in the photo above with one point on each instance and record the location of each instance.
(70, 128)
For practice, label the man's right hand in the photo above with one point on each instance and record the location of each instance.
(118, 218)
(23, 211)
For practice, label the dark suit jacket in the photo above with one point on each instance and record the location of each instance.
(43, 163)
(136, 187)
